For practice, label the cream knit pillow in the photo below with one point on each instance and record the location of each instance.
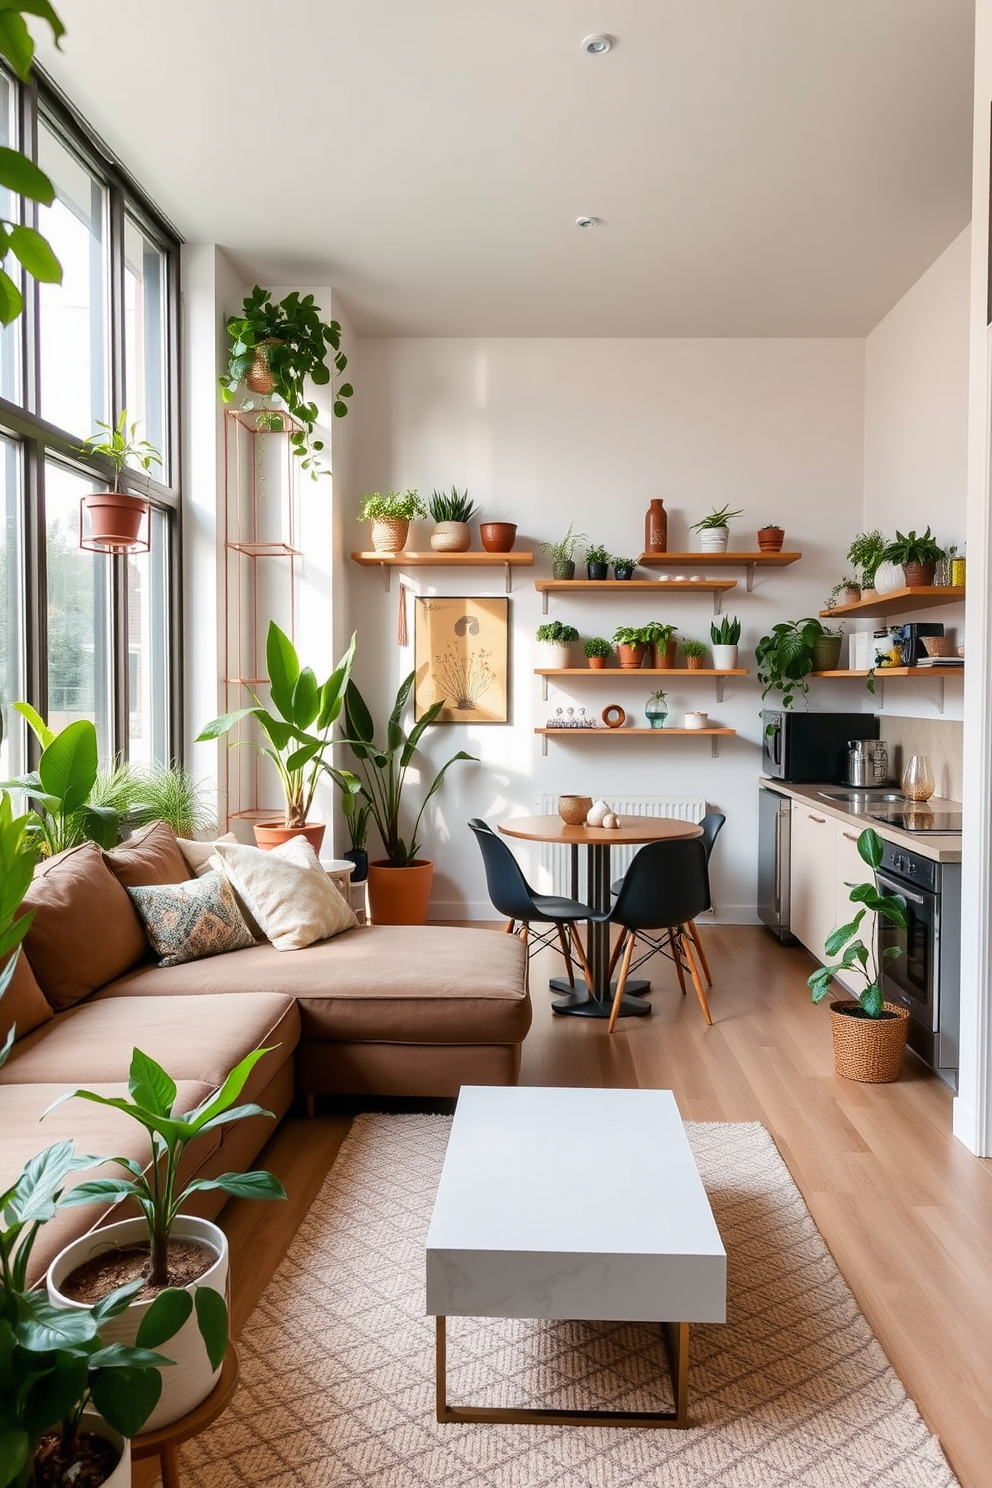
(286, 891)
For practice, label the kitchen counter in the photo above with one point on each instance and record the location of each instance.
(941, 847)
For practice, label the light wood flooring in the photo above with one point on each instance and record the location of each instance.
(906, 1211)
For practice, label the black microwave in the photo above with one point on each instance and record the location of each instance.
(811, 746)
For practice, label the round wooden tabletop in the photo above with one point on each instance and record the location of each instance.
(637, 829)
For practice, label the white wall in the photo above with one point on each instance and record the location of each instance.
(544, 432)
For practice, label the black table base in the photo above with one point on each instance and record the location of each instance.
(582, 1004)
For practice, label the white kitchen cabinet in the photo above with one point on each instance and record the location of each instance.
(825, 859)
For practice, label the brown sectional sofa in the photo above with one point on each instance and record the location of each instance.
(390, 1010)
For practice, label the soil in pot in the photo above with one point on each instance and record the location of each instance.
(102, 1274)
(86, 1461)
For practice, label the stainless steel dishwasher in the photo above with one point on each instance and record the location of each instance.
(774, 862)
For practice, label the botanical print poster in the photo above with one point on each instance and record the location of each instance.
(461, 659)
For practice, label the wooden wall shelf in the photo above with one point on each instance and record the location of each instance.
(387, 561)
(897, 601)
(713, 734)
(716, 587)
(748, 561)
(674, 675)
(924, 675)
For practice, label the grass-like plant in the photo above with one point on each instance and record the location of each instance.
(719, 517)
(596, 646)
(452, 506)
(727, 632)
(394, 506)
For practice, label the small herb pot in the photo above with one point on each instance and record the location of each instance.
(597, 663)
(563, 569)
(631, 657)
(597, 570)
(623, 570)
(770, 539)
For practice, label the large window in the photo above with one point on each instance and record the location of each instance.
(88, 634)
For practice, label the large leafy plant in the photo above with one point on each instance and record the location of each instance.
(17, 860)
(845, 941)
(295, 343)
(299, 731)
(785, 658)
(383, 767)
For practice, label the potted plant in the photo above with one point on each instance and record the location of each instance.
(452, 514)
(597, 562)
(785, 658)
(623, 568)
(116, 516)
(846, 591)
(498, 537)
(725, 637)
(631, 646)
(556, 640)
(656, 709)
(864, 555)
(597, 650)
(356, 815)
(390, 516)
(694, 653)
(562, 553)
(770, 538)
(713, 530)
(917, 556)
(869, 1034)
(399, 886)
(661, 641)
(298, 729)
(275, 347)
(199, 1309)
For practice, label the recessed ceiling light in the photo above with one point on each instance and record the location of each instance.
(587, 221)
(597, 46)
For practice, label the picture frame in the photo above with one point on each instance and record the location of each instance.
(462, 657)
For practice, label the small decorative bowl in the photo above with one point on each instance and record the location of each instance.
(573, 809)
(697, 720)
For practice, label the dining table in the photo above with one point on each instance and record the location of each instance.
(596, 1001)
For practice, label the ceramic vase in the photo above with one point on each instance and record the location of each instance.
(725, 658)
(656, 528)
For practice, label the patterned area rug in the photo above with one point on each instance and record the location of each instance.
(337, 1361)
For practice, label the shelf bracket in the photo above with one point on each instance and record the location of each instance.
(544, 743)
(717, 600)
(387, 575)
(507, 578)
(936, 698)
(715, 746)
(720, 684)
(544, 601)
(749, 581)
(544, 689)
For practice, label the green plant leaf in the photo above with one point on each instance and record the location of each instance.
(283, 669)
(819, 982)
(164, 1318)
(36, 723)
(870, 847)
(42, 1326)
(68, 766)
(118, 1301)
(211, 1317)
(254, 1184)
(358, 718)
(35, 254)
(126, 1397)
(837, 938)
(104, 1190)
(221, 725)
(14, 1448)
(306, 699)
(11, 299)
(150, 1086)
(872, 1000)
(20, 174)
(229, 1091)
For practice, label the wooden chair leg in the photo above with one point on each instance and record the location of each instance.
(686, 943)
(509, 927)
(563, 938)
(581, 957)
(677, 958)
(618, 951)
(691, 927)
(624, 968)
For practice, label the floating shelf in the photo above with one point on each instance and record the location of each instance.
(713, 734)
(386, 561)
(612, 673)
(917, 673)
(749, 561)
(898, 600)
(716, 587)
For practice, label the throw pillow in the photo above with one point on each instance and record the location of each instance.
(23, 1005)
(191, 920)
(287, 892)
(150, 856)
(197, 855)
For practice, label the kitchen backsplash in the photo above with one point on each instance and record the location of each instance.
(942, 739)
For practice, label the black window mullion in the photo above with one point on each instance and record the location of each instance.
(30, 331)
(35, 583)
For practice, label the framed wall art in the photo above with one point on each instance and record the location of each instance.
(462, 659)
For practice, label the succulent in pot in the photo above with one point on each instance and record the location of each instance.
(597, 561)
(694, 653)
(390, 515)
(724, 637)
(556, 640)
(562, 553)
(141, 1249)
(713, 529)
(846, 591)
(917, 555)
(770, 538)
(115, 515)
(597, 651)
(452, 512)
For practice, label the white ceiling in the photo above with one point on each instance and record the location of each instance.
(760, 167)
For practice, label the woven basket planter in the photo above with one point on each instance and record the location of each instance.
(389, 534)
(869, 1050)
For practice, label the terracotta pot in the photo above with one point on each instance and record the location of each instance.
(918, 575)
(868, 1049)
(115, 518)
(400, 896)
(574, 809)
(694, 663)
(274, 833)
(770, 539)
(451, 537)
(389, 534)
(597, 663)
(498, 537)
(852, 594)
(666, 658)
(631, 657)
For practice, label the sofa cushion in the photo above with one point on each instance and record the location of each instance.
(384, 983)
(287, 893)
(23, 1005)
(85, 932)
(151, 856)
(95, 1040)
(198, 854)
(191, 920)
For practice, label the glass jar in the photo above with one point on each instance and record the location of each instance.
(917, 778)
(656, 710)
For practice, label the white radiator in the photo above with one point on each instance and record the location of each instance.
(556, 859)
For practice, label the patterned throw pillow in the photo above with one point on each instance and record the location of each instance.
(187, 921)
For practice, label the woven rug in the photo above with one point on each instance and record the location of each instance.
(337, 1361)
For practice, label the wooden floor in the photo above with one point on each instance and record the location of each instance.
(906, 1211)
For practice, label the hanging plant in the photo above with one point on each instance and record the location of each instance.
(277, 345)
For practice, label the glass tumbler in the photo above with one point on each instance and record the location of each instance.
(917, 778)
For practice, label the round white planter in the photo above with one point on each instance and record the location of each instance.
(554, 654)
(451, 537)
(724, 658)
(889, 576)
(189, 1379)
(97, 1426)
(714, 539)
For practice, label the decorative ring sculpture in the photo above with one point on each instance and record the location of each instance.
(613, 715)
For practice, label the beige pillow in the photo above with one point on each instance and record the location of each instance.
(198, 854)
(286, 892)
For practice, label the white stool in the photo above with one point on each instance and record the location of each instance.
(340, 871)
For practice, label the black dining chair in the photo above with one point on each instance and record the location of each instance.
(710, 825)
(664, 889)
(513, 896)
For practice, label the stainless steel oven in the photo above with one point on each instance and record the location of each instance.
(925, 978)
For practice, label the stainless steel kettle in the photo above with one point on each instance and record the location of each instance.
(867, 762)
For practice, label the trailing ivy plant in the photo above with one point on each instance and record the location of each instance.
(295, 343)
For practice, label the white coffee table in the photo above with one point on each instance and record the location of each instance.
(547, 1208)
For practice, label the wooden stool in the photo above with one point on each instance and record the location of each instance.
(165, 1443)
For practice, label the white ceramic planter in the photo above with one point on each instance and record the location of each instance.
(697, 720)
(889, 576)
(554, 654)
(451, 537)
(724, 658)
(97, 1426)
(714, 539)
(189, 1379)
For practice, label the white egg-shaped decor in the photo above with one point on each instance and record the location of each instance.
(598, 812)
(611, 821)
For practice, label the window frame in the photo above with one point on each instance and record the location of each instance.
(40, 440)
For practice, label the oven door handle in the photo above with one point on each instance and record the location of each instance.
(903, 893)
